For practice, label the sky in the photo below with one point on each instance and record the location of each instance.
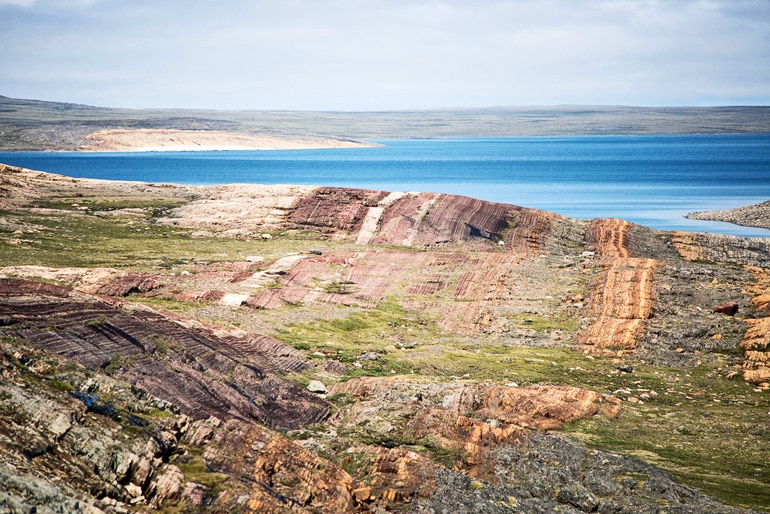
(364, 55)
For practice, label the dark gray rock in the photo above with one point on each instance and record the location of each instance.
(553, 474)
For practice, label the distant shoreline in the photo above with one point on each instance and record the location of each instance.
(34, 125)
(757, 215)
(175, 140)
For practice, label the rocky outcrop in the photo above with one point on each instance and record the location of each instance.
(334, 211)
(756, 340)
(757, 215)
(375, 217)
(609, 237)
(397, 476)
(551, 473)
(540, 407)
(73, 441)
(622, 296)
(205, 374)
(83, 442)
(288, 475)
(466, 421)
(723, 248)
(239, 211)
(15, 185)
(756, 343)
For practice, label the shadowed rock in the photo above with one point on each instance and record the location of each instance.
(731, 308)
(201, 372)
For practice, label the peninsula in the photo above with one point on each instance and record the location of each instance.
(167, 140)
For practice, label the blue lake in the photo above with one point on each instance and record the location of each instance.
(650, 180)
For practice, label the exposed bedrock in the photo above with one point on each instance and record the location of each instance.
(754, 255)
(551, 473)
(723, 248)
(451, 298)
(74, 452)
(756, 340)
(367, 216)
(663, 308)
(466, 421)
(623, 296)
(204, 373)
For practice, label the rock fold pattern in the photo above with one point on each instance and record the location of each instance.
(206, 375)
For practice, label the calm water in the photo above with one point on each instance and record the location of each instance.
(651, 180)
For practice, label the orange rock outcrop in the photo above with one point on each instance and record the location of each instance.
(290, 477)
(623, 296)
(756, 340)
(467, 421)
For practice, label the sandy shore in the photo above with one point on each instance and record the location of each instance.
(169, 140)
(757, 215)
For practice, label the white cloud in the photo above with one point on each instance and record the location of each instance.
(346, 54)
(19, 3)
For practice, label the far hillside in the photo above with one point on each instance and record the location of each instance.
(35, 125)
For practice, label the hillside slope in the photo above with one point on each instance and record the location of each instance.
(301, 349)
(37, 125)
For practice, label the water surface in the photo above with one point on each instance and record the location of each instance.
(651, 180)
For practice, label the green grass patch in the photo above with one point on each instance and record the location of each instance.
(59, 385)
(121, 362)
(153, 207)
(540, 323)
(176, 306)
(343, 287)
(195, 470)
(362, 331)
(707, 431)
(79, 240)
(75, 239)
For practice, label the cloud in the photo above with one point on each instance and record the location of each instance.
(51, 4)
(346, 54)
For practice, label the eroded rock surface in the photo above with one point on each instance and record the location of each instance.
(550, 473)
(623, 296)
(205, 374)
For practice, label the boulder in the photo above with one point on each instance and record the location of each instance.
(316, 386)
(730, 308)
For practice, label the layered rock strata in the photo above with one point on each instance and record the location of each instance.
(205, 374)
(756, 340)
(723, 248)
(623, 295)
